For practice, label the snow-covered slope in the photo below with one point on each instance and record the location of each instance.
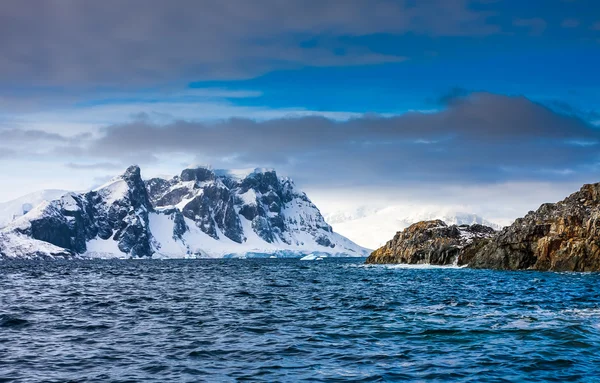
(13, 209)
(240, 213)
(15, 245)
(372, 228)
(201, 213)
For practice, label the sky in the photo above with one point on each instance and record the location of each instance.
(492, 105)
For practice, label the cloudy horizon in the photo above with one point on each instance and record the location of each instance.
(487, 105)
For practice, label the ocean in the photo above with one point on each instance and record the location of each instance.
(286, 320)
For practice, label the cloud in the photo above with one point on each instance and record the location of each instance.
(111, 42)
(7, 153)
(94, 166)
(536, 25)
(570, 23)
(591, 116)
(478, 138)
(14, 135)
(452, 95)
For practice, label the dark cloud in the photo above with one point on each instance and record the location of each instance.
(454, 94)
(480, 137)
(111, 42)
(14, 135)
(94, 166)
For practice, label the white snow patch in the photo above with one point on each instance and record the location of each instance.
(113, 191)
(249, 197)
(15, 245)
(101, 248)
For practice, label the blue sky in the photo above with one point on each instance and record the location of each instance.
(386, 98)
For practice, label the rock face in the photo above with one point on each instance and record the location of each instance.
(430, 242)
(563, 236)
(201, 213)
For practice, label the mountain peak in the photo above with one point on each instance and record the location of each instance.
(132, 171)
(197, 174)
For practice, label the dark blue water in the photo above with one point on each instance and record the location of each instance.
(289, 320)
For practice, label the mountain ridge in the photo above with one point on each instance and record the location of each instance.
(197, 214)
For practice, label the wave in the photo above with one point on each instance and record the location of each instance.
(425, 266)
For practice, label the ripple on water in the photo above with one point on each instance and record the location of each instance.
(286, 320)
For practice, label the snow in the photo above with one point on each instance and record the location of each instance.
(14, 208)
(68, 202)
(15, 245)
(304, 226)
(161, 227)
(101, 248)
(249, 197)
(114, 190)
(197, 244)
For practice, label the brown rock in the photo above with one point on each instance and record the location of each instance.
(563, 236)
(430, 242)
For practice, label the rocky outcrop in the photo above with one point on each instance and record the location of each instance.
(430, 242)
(563, 236)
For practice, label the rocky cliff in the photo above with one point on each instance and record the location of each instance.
(430, 242)
(563, 236)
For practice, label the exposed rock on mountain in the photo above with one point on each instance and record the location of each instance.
(430, 242)
(255, 212)
(200, 213)
(563, 236)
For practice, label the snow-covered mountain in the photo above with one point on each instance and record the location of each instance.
(373, 227)
(201, 213)
(17, 207)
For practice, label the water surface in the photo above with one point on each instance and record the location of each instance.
(289, 320)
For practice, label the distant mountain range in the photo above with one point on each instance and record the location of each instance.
(373, 227)
(200, 213)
